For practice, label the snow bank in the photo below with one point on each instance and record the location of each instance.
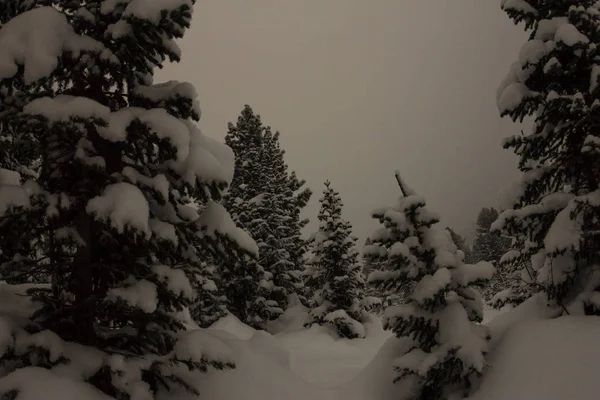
(259, 374)
(533, 309)
(292, 320)
(271, 348)
(324, 360)
(48, 385)
(203, 345)
(376, 380)
(545, 359)
(231, 324)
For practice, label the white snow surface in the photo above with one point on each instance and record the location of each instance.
(544, 359)
(513, 95)
(38, 50)
(532, 357)
(216, 219)
(36, 383)
(176, 279)
(141, 294)
(151, 9)
(518, 5)
(64, 107)
(122, 204)
(569, 35)
(8, 177)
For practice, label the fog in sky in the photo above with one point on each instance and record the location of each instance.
(361, 88)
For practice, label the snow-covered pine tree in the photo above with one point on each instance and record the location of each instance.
(210, 303)
(245, 139)
(491, 246)
(488, 246)
(460, 242)
(266, 199)
(335, 276)
(103, 215)
(443, 309)
(554, 213)
(277, 237)
(246, 284)
(298, 197)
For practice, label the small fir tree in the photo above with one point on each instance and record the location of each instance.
(443, 310)
(335, 276)
(460, 242)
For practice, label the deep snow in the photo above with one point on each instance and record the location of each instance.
(533, 356)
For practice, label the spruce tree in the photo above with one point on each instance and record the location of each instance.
(266, 200)
(491, 246)
(210, 303)
(554, 214)
(335, 274)
(278, 239)
(246, 284)
(461, 244)
(442, 312)
(105, 160)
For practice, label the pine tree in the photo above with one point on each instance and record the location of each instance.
(554, 215)
(277, 239)
(106, 159)
(298, 197)
(491, 246)
(266, 199)
(442, 311)
(245, 139)
(335, 275)
(246, 284)
(210, 303)
(461, 244)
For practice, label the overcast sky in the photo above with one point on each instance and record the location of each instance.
(361, 88)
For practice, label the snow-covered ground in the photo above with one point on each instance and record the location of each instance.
(301, 363)
(533, 356)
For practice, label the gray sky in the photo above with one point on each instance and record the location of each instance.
(361, 88)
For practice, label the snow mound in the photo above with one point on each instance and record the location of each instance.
(203, 345)
(376, 380)
(293, 319)
(48, 386)
(533, 309)
(232, 325)
(268, 345)
(322, 358)
(258, 375)
(545, 359)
